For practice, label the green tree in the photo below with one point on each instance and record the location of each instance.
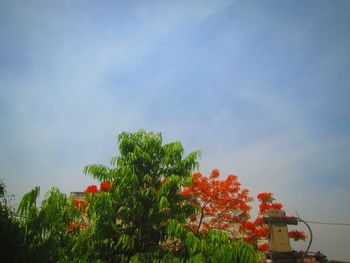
(143, 217)
(138, 215)
(11, 234)
(147, 178)
(45, 228)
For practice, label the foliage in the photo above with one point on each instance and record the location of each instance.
(133, 215)
(11, 234)
(45, 228)
(140, 212)
(214, 246)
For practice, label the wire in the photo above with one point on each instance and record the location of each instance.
(328, 223)
(323, 223)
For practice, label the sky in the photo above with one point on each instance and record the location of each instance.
(260, 87)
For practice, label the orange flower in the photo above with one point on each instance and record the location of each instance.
(215, 173)
(91, 189)
(297, 235)
(250, 226)
(265, 197)
(186, 192)
(262, 231)
(259, 220)
(105, 186)
(221, 202)
(79, 203)
(264, 247)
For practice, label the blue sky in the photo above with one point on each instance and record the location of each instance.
(260, 87)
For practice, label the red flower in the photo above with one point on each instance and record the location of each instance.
(186, 192)
(267, 205)
(259, 221)
(250, 225)
(263, 231)
(105, 186)
(79, 202)
(265, 197)
(277, 206)
(264, 247)
(296, 235)
(91, 189)
(214, 174)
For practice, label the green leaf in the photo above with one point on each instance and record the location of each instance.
(28, 202)
(163, 202)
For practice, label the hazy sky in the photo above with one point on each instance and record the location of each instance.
(260, 87)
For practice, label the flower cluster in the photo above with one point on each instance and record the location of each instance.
(89, 193)
(255, 231)
(215, 173)
(264, 247)
(221, 203)
(265, 197)
(79, 203)
(297, 235)
(91, 189)
(105, 186)
(267, 203)
(263, 207)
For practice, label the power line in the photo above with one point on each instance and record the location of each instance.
(328, 223)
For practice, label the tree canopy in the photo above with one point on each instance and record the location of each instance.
(149, 207)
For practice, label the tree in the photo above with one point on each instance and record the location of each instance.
(138, 201)
(224, 206)
(11, 234)
(221, 204)
(45, 228)
(138, 214)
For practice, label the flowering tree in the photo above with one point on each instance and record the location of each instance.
(221, 204)
(149, 205)
(256, 232)
(138, 214)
